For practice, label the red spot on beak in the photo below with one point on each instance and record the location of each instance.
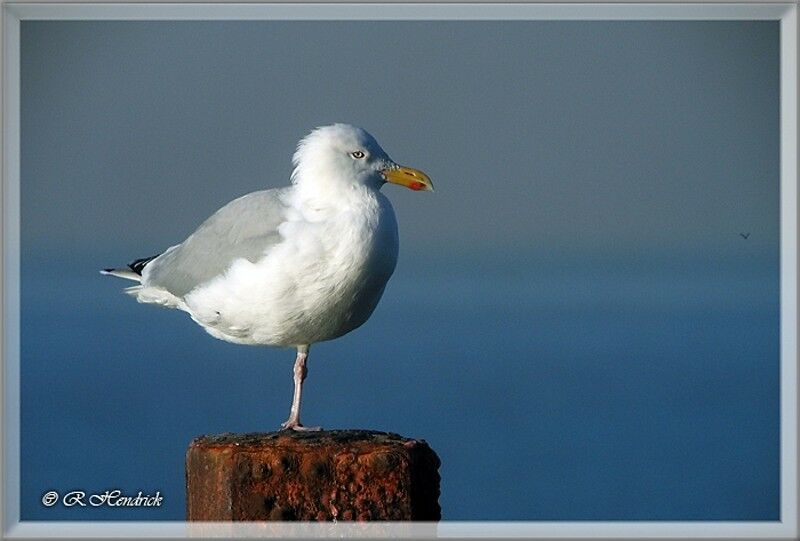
(416, 186)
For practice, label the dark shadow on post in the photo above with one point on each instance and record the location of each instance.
(339, 475)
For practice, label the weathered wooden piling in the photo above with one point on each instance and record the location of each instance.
(343, 475)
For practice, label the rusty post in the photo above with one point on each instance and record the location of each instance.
(311, 476)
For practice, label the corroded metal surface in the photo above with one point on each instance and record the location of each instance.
(311, 476)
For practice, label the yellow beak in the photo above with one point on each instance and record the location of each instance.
(408, 177)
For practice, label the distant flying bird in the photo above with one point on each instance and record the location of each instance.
(745, 236)
(292, 266)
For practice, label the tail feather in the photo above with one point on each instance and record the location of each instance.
(134, 270)
(122, 273)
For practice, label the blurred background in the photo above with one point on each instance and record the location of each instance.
(584, 318)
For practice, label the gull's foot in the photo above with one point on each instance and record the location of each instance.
(296, 426)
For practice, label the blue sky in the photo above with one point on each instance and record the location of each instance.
(653, 136)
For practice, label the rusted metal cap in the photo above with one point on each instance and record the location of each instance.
(337, 475)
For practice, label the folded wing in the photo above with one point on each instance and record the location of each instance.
(244, 228)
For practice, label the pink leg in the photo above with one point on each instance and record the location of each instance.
(300, 372)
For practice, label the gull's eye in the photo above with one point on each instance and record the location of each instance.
(357, 154)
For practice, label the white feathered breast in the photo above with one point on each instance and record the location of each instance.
(321, 281)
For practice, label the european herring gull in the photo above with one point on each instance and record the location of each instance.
(290, 266)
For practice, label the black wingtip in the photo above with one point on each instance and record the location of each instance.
(139, 264)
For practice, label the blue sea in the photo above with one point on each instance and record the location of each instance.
(553, 387)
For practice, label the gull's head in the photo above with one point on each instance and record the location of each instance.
(342, 156)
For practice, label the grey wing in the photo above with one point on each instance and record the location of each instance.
(244, 228)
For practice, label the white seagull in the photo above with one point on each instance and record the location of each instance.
(290, 266)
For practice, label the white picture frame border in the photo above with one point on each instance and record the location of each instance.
(13, 13)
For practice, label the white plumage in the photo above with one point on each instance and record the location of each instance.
(290, 266)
